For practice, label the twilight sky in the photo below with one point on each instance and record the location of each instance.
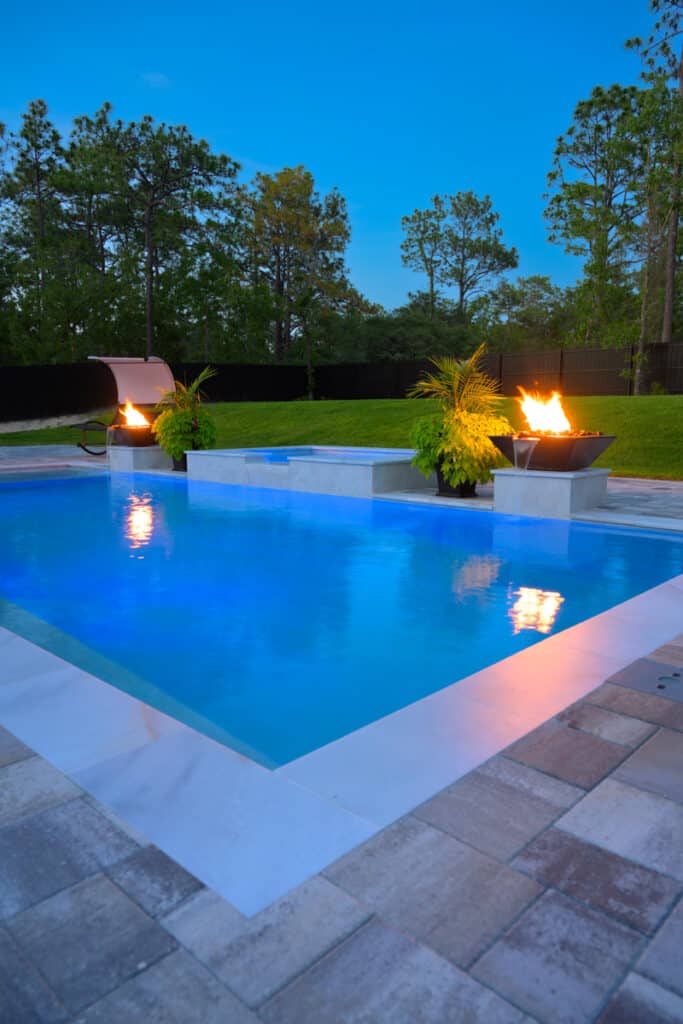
(390, 103)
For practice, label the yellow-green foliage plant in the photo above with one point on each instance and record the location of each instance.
(456, 442)
(183, 423)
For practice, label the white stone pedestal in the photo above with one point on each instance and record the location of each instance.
(536, 492)
(125, 459)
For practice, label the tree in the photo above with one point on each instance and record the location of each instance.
(594, 203)
(169, 181)
(530, 313)
(423, 247)
(299, 240)
(474, 250)
(659, 124)
(661, 59)
(457, 243)
(32, 229)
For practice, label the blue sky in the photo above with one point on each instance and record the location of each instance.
(389, 103)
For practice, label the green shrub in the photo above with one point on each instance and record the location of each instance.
(457, 439)
(182, 430)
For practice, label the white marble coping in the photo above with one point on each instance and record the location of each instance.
(253, 834)
(551, 474)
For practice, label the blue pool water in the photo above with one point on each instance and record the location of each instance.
(326, 454)
(278, 621)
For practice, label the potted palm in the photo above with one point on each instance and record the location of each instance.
(454, 442)
(183, 423)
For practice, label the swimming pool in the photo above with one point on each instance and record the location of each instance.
(277, 621)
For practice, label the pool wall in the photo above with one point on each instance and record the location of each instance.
(354, 472)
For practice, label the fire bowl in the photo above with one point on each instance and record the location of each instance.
(561, 453)
(131, 437)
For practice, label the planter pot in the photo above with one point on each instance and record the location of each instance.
(468, 489)
(180, 465)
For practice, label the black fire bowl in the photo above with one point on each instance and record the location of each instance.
(558, 453)
(132, 437)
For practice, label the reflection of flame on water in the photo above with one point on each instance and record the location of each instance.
(535, 609)
(477, 574)
(544, 415)
(139, 520)
(133, 416)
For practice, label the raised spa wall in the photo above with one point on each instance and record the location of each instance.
(324, 471)
(549, 494)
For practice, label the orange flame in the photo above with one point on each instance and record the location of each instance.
(544, 415)
(133, 416)
(535, 609)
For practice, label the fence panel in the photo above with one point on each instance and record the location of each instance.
(537, 371)
(673, 375)
(246, 382)
(595, 371)
(39, 392)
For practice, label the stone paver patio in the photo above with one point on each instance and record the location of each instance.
(544, 886)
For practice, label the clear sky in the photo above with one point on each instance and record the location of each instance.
(390, 103)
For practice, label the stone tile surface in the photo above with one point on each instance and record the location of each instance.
(53, 850)
(453, 898)
(577, 757)
(657, 766)
(640, 826)
(88, 939)
(663, 959)
(629, 732)
(657, 709)
(176, 990)
(12, 749)
(640, 1001)
(559, 960)
(139, 838)
(653, 677)
(257, 956)
(488, 813)
(528, 780)
(380, 976)
(154, 881)
(25, 998)
(637, 896)
(670, 654)
(31, 785)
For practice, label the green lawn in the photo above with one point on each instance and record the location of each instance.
(649, 429)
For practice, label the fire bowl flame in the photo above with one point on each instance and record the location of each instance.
(557, 447)
(131, 427)
(560, 453)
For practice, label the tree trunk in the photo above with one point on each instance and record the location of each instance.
(149, 285)
(671, 258)
(640, 350)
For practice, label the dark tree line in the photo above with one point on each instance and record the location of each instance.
(135, 237)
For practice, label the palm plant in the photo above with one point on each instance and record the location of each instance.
(456, 442)
(183, 424)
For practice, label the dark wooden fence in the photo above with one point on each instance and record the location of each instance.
(36, 392)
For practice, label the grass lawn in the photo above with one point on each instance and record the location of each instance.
(649, 429)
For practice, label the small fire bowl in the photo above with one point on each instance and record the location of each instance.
(560, 453)
(132, 437)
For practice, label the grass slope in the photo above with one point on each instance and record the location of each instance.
(649, 429)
